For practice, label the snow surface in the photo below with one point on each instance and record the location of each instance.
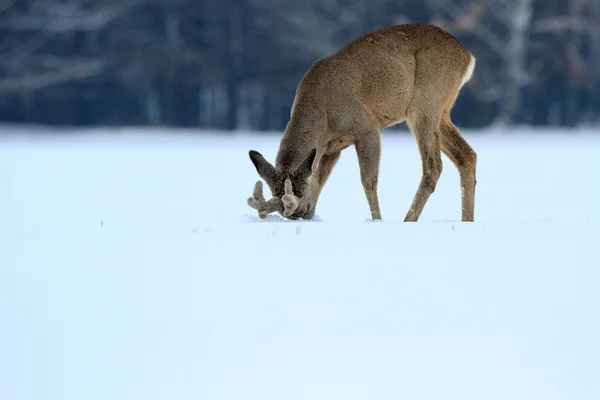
(131, 267)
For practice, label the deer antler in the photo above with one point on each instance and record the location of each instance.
(258, 202)
(289, 200)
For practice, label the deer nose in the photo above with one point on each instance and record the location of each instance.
(310, 211)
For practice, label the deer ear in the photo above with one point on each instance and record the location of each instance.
(304, 170)
(263, 167)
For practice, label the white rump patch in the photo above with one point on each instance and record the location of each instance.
(469, 73)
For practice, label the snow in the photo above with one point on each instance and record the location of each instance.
(131, 267)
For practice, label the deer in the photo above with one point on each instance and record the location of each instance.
(410, 72)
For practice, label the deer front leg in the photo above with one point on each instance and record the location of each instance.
(368, 150)
(328, 161)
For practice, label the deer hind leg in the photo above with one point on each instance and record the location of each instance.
(368, 150)
(426, 131)
(464, 158)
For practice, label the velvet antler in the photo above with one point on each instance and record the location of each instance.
(289, 200)
(264, 207)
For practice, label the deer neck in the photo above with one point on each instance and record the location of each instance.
(296, 144)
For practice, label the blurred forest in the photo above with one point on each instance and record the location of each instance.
(235, 64)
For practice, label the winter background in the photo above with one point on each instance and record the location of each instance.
(131, 266)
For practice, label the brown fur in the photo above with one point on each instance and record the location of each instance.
(410, 73)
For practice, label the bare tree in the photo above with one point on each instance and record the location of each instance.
(505, 27)
(317, 28)
(29, 59)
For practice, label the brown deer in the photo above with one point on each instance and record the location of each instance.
(411, 72)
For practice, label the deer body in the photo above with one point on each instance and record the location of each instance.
(410, 73)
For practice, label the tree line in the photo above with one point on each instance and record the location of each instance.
(235, 64)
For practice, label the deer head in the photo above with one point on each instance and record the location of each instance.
(293, 192)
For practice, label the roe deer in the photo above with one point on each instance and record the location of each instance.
(412, 73)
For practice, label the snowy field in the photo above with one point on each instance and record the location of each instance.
(131, 267)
